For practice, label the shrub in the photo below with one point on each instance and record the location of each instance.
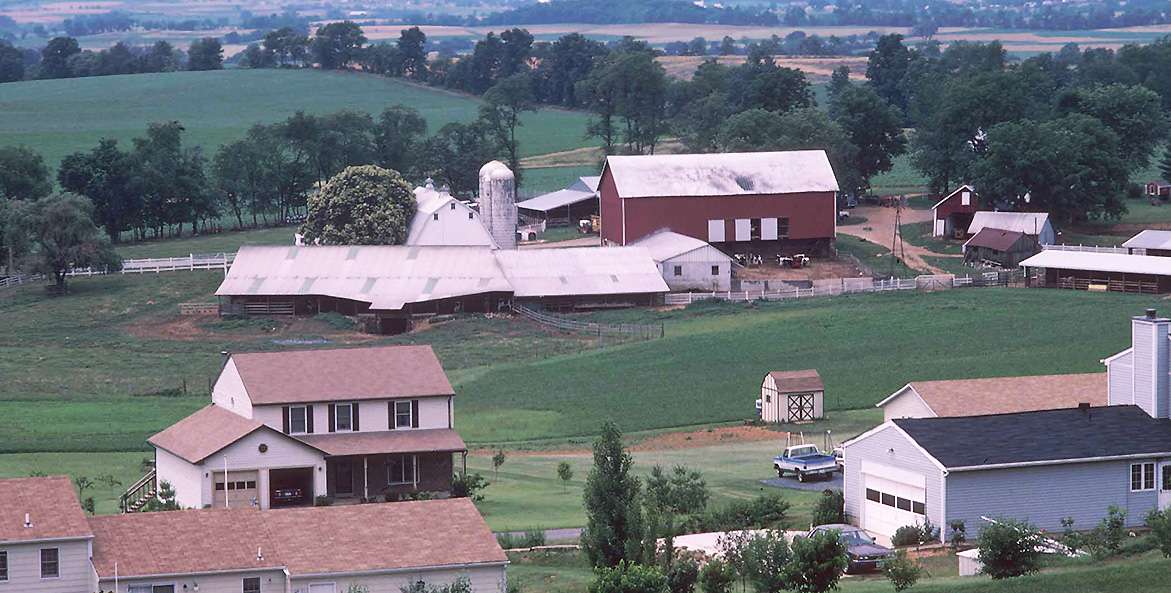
(959, 533)
(759, 559)
(1160, 524)
(322, 501)
(717, 577)
(902, 571)
(817, 563)
(1106, 539)
(423, 495)
(1008, 548)
(507, 540)
(468, 486)
(765, 511)
(336, 320)
(1070, 537)
(927, 532)
(831, 508)
(629, 578)
(682, 576)
(907, 535)
(533, 538)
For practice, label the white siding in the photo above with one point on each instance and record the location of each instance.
(244, 454)
(1120, 378)
(373, 415)
(696, 273)
(888, 446)
(229, 393)
(272, 581)
(447, 226)
(185, 477)
(490, 579)
(24, 568)
(715, 231)
(908, 404)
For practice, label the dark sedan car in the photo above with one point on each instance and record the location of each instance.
(861, 550)
(286, 495)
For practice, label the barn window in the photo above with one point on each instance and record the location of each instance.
(1142, 476)
(768, 398)
(715, 270)
(678, 270)
(298, 420)
(435, 216)
(783, 228)
(966, 198)
(470, 216)
(754, 229)
(453, 205)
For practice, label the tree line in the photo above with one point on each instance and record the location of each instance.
(62, 57)
(1060, 132)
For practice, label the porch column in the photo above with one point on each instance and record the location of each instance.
(464, 459)
(365, 478)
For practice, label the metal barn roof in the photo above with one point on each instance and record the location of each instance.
(1029, 223)
(664, 245)
(997, 239)
(385, 276)
(1100, 262)
(743, 173)
(558, 199)
(1150, 239)
(581, 271)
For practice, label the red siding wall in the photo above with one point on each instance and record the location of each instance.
(811, 215)
(954, 206)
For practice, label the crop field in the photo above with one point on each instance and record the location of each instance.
(58, 117)
(816, 69)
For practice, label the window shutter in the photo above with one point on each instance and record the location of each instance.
(332, 418)
(390, 414)
(309, 419)
(414, 413)
(285, 418)
(354, 416)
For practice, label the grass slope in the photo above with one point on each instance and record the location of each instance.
(57, 117)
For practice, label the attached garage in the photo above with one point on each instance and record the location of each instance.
(892, 498)
(291, 487)
(241, 489)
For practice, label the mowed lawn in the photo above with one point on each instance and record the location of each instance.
(58, 117)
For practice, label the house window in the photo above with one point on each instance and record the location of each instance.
(219, 486)
(50, 568)
(453, 205)
(1167, 477)
(343, 417)
(402, 414)
(1142, 476)
(470, 216)
(435, 216)
(678, 270)
(783, 228)
(298, 422)
(715, 270)
(252, 585)
(400, 469)
(3, 566)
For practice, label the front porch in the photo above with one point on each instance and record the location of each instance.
(379, 477)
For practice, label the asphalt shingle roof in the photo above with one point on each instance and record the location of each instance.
(1050, 435)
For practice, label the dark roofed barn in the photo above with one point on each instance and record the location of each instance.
(999, 247)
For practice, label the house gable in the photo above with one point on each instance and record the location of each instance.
(905, 403)
(229, 392)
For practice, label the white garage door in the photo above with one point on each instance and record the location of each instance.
(241, 488)
(892, 498)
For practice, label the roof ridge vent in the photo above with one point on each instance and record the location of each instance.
(28, 522)
(259, 554)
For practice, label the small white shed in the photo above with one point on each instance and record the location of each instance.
(791, 396)
(688, 263)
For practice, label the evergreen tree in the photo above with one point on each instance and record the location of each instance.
(612, 498)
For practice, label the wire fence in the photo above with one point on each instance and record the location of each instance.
(853, 285)
(644, 332)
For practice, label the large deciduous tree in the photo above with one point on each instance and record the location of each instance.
(1135, 115)
(780, 90)
(872, 126)
(170, 179)
(336, 45)
(412, 54)
(205, 54)
(612, 497)
(11, 63)
(103, 175)
(396, 136)
(501, 111)
(57, 234)
(55, 57)
(887, 67)
(803, 129)
(1068, 167)
(23, 174)
(365, 205)
(290, 46)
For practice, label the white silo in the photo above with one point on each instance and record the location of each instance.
(498, 203)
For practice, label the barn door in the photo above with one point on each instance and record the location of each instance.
(800, 407)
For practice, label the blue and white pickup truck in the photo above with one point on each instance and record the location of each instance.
(806, 461)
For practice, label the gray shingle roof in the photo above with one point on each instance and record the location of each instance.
(1039, 437)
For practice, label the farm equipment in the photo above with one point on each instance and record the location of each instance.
(591, 225)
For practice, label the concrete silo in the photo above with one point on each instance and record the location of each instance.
(498, 203)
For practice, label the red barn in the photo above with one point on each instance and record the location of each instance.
(755, 201)
(1159, 188)
(954, 213)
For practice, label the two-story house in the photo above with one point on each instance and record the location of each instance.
(286, 427)
(45, 540)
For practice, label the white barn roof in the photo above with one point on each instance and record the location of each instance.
(1150, 239)
(1100, 262)
(581, 271)
(664, 245)
(1029, 223)
(726, 174)
(582, 189)
(385, 276)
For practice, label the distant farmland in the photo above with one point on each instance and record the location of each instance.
(58, 117)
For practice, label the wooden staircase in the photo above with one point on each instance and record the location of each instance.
(139, 495)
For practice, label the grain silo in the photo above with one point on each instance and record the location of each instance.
(498, 203)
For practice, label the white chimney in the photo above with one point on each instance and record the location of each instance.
(1151, 364)
(28, 522)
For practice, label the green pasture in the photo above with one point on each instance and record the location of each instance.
(58, 117)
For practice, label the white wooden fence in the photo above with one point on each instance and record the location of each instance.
(202, 261)
(854, 285)
(1089, 248)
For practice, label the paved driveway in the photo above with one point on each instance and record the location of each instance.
(833, 483)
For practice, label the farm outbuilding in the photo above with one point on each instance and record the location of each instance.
(1033, 224)
(761, 202)
(1159, 189)
(792, 396)
(1150, 242)
(1113, 272)
(564, 207)
(1000, 247)
(688, 263)
(953, 213)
